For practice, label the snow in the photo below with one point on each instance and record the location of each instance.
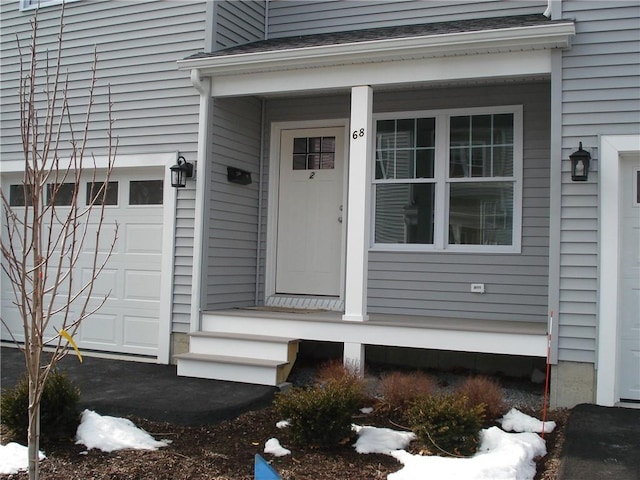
(502, 456)
(111, 433)
(14, 457)
(273, 447)
(516, 421)
(381, 440)
(283, 423)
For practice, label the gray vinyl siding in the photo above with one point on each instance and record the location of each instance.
(155, 107)
(438, 284)
(233, 209)
(600, 96)
(237, 23)
(289, 18)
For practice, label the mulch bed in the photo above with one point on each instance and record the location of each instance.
(226, 451)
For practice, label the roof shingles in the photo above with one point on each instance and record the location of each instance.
(384, 33)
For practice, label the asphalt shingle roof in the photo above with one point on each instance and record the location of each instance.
(384, 33)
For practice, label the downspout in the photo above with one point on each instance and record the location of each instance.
(260, 192)
(203, 86)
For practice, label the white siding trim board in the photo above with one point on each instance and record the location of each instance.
(612, 150)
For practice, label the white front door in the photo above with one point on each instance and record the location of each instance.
(310, 212)
(629, 307)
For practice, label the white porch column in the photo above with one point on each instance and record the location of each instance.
(203, 86)
(353, 357)
(358, 202)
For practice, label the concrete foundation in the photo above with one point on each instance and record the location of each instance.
(179, 344)
(572, 383)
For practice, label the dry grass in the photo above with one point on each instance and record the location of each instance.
(399, 389)
(481, 389)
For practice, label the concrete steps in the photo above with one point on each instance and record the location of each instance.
(237, 357)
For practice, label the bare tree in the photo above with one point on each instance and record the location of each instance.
(48, 233)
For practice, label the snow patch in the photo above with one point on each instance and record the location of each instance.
(381, 440)
(110, 433)
(14, 458)
(273, 447)
(502, 456)
(516, 421)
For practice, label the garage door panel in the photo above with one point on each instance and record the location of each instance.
(99, 330)
(629, 288)
(107, 235)
(11, 316)
(105, 284)
(142, 285)
(140, 331)
(144, 239)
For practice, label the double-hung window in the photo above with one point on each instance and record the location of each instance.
(449, 180)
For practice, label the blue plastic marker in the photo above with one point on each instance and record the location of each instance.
(264, 471)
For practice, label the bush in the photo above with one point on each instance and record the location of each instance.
(400, 389)
(484, 390)
(446, 422)
(320, 415)
(59, 412)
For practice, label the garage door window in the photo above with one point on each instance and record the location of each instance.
(93, 191)
(17, 197)
(145, 192)
(62, 194)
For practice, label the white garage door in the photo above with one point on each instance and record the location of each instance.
(629, 309)
(129, 320)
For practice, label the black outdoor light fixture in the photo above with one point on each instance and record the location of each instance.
(180, 172)
(580, 164)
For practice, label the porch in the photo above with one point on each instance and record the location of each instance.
(357, 196)
(259, 344)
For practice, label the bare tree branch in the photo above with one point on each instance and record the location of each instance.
(46, 239)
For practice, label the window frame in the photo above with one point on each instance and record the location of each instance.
(442, 181)
(26, 5)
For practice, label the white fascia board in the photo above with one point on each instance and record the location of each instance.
(480, 66)
(427, 46)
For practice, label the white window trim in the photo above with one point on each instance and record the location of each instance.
(442, 182)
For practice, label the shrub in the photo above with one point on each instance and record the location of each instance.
(59, 412)
(320, 415)
(400, 389)
(484, 390)
(446, 422)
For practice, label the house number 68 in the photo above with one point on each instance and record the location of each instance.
(358, 134)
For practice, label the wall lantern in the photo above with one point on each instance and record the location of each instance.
(180, 172)
(580, 164)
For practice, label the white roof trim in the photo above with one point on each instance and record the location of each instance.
(555, 35)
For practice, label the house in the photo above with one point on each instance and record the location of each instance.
(395, 178)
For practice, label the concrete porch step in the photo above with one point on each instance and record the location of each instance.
(244, 345)
(238, 357)
(234, 369)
